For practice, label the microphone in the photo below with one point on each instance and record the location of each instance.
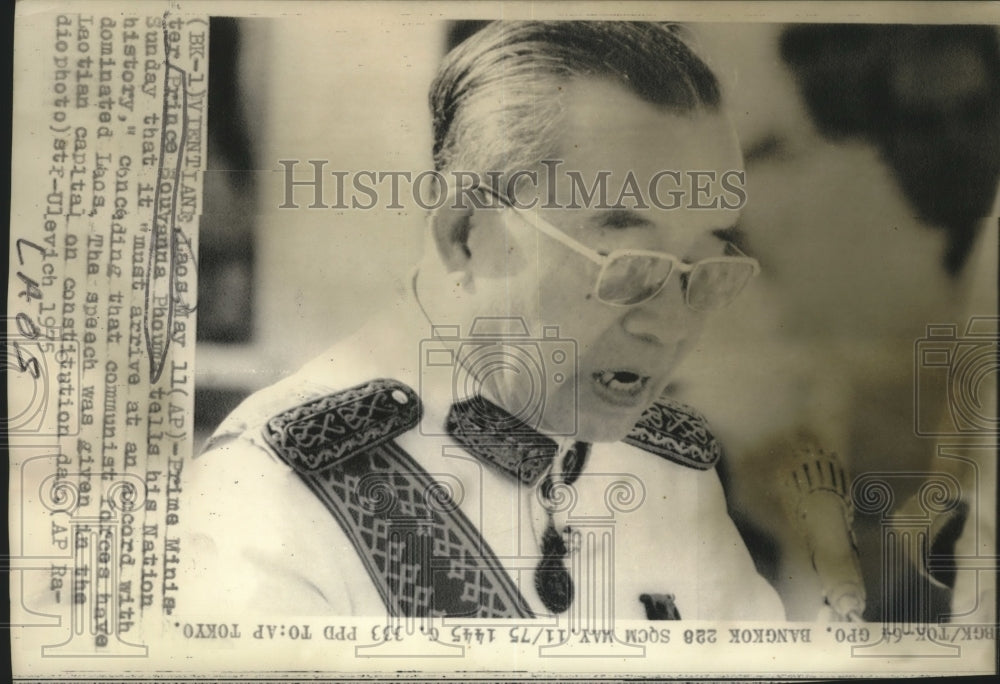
(818, 498)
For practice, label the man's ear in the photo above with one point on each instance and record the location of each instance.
(450, 226)
(471, 239)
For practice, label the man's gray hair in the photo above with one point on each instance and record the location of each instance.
(496, 101)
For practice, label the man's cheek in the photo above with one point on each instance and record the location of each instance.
(565, 293)
(697, 328)
(684, 350)
(580, 319)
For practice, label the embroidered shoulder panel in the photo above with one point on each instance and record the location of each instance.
(422, 553)
(676, 432)
(320, 433)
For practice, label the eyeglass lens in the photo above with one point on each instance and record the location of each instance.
(631, 279)
(714, 284)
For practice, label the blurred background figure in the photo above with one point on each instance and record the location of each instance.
(873, 155)
(873, 161)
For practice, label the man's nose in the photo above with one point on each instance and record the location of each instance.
(665, 320)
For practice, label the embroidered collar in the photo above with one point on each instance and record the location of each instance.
(668, 428)
(491, 434)
(678, 433)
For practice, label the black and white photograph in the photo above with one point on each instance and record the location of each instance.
(505, 340)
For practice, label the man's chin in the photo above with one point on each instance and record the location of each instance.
(592, 419)
(604, 426)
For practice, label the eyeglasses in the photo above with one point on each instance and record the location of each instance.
(633, 276)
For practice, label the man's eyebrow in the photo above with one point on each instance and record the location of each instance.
(621, 218)
(733, 234)
(626, 218)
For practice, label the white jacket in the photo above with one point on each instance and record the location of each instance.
(258, 539)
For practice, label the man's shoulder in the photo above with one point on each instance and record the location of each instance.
(356, 360)
(253, 493)
(259, 406)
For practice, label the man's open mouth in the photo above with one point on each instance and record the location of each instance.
(622, 388)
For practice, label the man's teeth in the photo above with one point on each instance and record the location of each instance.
(622, 381)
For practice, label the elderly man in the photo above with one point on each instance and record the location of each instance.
(498, 444)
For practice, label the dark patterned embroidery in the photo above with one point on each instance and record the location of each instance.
(668, 428)
(677, 432)
(660, 607)
(423, 554)
(506, 443)
(320, 433)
